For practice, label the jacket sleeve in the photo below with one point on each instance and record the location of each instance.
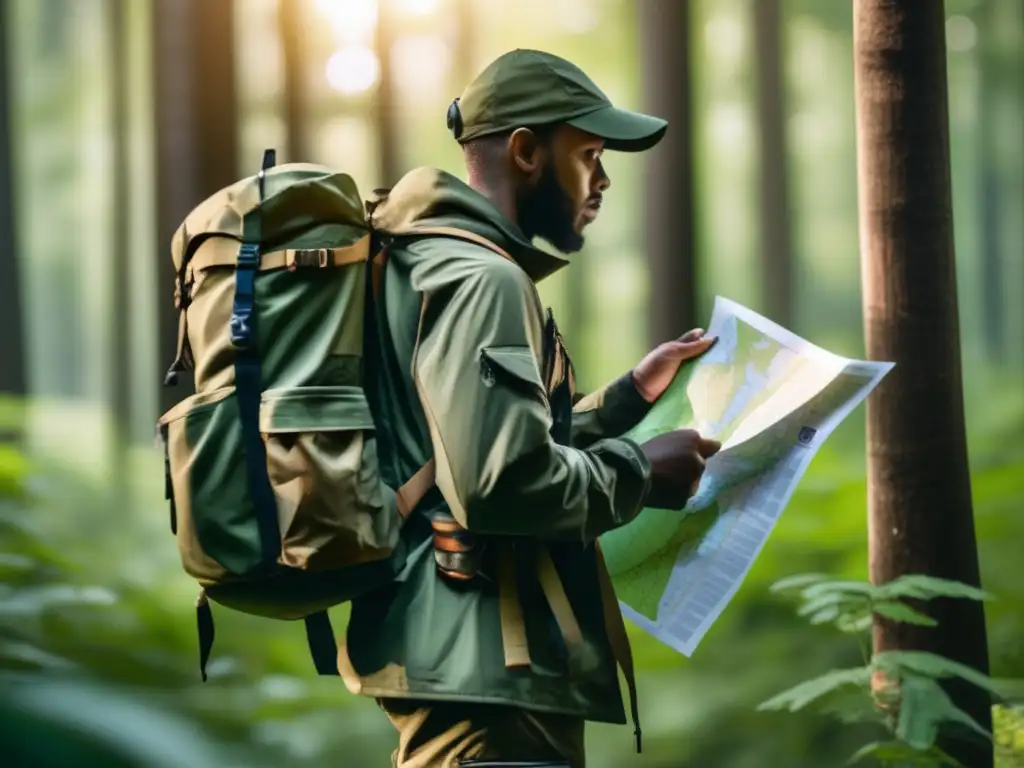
(477, 371)
(610, 412)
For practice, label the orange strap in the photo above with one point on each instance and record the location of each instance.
(415, 488)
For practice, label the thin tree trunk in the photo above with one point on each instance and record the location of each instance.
(119, 316)
(464, 60)
(776, 237)
(384, 106)
(920, 518)
(296, 97)
(196, 136)
(13, 378)
(669, 226)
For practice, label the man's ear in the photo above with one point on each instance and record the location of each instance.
(526, 152)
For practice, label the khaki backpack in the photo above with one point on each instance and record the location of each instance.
(271, 466)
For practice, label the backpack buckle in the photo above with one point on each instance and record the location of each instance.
(317, 258)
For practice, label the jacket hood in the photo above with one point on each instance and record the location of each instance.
(429, 197)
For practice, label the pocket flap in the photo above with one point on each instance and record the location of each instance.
(516, 361)
(314, 409)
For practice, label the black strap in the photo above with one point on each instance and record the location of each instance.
(322, 646)
(168, 481)
(248, 377)
(204, 624)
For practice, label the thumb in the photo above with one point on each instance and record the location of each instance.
(707, 447)
(693, 335)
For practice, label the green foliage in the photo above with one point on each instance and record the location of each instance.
(903, 689)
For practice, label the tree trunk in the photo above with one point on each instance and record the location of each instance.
(290, 25)
(13, 378)
(669, 216)
(464, 59)
(776, 237)
(119, 316)
(196, 136)
(920, 518)
(384, 106)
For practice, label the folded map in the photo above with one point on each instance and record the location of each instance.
(771, 398)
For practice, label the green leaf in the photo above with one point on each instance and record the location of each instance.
(797, 581)
(861, 589)
(896, 752)
(922, 587)
(835, 600)
(803, 694)
(939, 703)
(920, 714)
(825, 615)
(854, 623)
(903, 613)
(853, 705)
(931, 665)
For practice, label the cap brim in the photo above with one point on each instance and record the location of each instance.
(622, 130)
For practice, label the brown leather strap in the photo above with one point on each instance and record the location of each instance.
(618, 638)
(513, 626)
(415, 488)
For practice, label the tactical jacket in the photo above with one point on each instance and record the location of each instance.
(471, 371)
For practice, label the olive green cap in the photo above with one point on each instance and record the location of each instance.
(525, 88)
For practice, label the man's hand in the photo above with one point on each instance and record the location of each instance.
(656, 371)
(677, 462)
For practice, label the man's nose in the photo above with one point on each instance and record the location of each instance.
(603, 182)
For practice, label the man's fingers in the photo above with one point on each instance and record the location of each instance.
(684, 350)
(707, 447)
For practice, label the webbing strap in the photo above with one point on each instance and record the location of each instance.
(558, 601)
(205, 629)
(618, 638)
(290, 258)
(513, 627)
(415, 488)
(322, 645)
(248, 380)
(464, 234)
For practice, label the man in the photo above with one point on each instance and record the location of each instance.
(500, 638)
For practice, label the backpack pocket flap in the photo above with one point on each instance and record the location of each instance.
(333, 509)
(314, 409)
(513, 365)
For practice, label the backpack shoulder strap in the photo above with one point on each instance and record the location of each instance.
(413, 491)
(465, 234)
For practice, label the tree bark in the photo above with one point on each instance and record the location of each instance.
(384, 106)
(296, 96)
(669, 211)
(776, 237)
(196, 137)
(119, 317)
(920, 517)
(13, 376)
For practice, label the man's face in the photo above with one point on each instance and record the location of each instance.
(567, 194)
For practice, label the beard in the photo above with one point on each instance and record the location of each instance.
(546, 210)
